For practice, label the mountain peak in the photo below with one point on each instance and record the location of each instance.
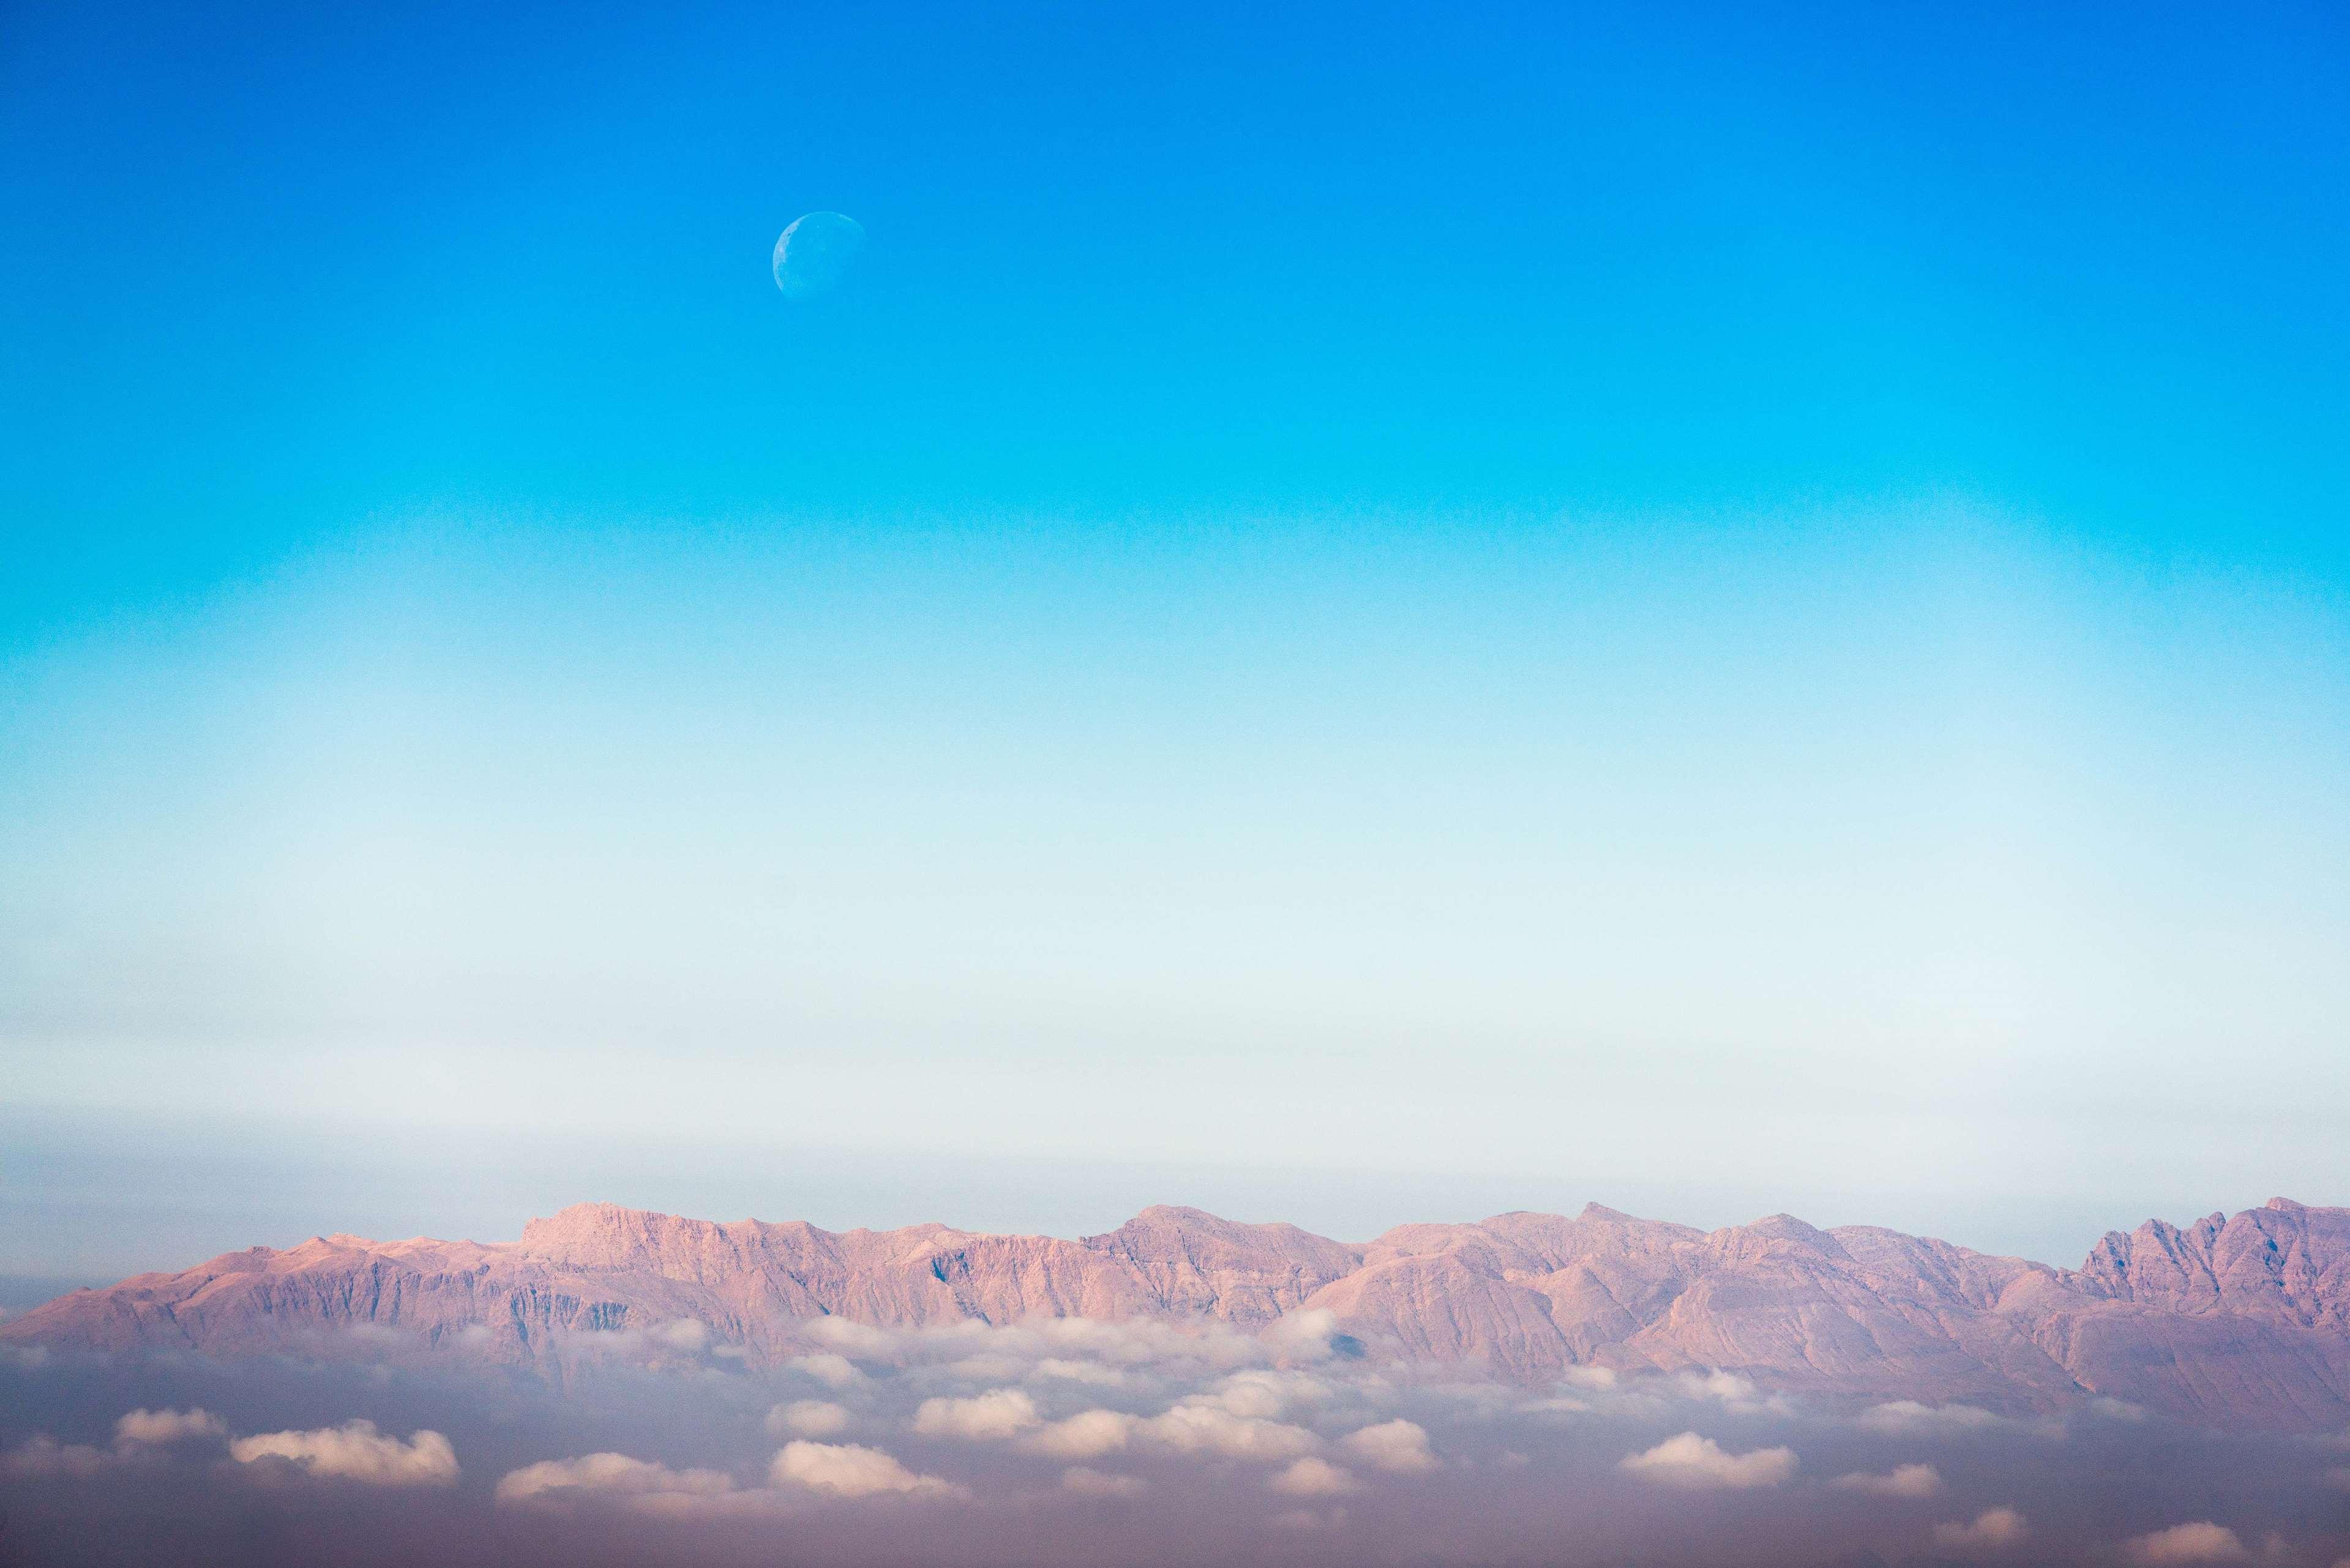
(2241, 1322)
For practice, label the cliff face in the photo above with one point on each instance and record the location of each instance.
(2241, 1321)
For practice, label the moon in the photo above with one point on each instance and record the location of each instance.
(814, 252)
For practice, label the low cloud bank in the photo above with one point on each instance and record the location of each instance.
(355, 1451)
(1070, 1443)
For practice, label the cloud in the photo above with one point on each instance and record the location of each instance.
(155, 1428)
(685, 1334)
(1263, 1393)
(1308, 1519)
(1305, 1335)
(1907, 1415)
(851, 1470)
(1701, 1464)
(2338, 1478)
(1907, 1480)
(356, 1451)
(609, 1474)
(1087, 1435)
(832, 1371)
(992, 1417)
(1079, 1371)
(1202, 1428)
(1311, 1477)
(808, 1419)
(42, 1455)
(1101, 1483)
(1399, 1445)
(1992, 1530)
(2202, 1541)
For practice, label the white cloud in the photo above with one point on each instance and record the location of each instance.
(684, 1333)
(1907, 1415)
(851, 1470)
(855, 1338)
(1310, 1477)
(1992, 1530)
(356, 1451)
(988, 1368)
(2202, 1541)
(808, 1419)
(155, 1428)
(1701, 1464)
(1197, 1429)
(824, 1368)
(1302, 1335)
(1101, 1483)
(1728, 1387)
(992, 1417)
(1263, 1393)
(1400, 1446)
(1907, 1480)
(610, 1474)
(1087, 1435)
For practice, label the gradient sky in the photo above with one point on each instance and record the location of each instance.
(1668, 606)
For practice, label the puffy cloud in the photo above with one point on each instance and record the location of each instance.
(1701, 1464)
(1400, 1446)
(1992, 1530)
(853, 1338)
(808, 1419)
(1303, 1335)
(2202, 1541)
(851, 1470)
(1907, 1480)
(1310, 1477)
(1907, 1415)
(992, 1417)
(1090, 1483)
(1087, 1435)
(1092, 1372)
(1728, 1387)
(1263, 1393)
(1200, 1428)
(684, 1333)
(154, 1428)
(356, 1451)
(610, 1474)
(832, 1371)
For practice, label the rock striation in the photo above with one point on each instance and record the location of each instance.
(2240, 1321)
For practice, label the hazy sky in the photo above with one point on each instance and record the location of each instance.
(1672, 603)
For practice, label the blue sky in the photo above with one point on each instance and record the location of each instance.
(1724, 608)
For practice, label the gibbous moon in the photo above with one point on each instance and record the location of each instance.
(814, 252)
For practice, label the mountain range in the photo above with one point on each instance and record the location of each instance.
(2240, 1321)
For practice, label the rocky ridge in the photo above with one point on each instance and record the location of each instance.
(2239, 1321)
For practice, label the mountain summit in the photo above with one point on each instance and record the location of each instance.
(2240, 1321)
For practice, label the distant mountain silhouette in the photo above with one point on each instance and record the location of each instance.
(2240, 1322)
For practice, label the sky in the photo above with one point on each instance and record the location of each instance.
(1354, 612)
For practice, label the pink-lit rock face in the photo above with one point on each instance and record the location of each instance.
(2240, 1322)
